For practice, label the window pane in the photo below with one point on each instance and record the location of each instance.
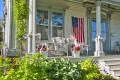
(103, 30)
(57, 19)
(103, 26)
(57, 32)
(43, 30)
(42, 17)
(103, 35)
(93, 30)
(93, 26)
(93, 35)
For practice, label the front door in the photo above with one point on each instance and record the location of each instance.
(103, 35)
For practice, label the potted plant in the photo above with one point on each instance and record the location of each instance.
(76, 51)
(44, 50)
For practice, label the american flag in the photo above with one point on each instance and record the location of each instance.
(78, 29)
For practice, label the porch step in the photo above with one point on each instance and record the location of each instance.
(114, 66)
(110, 65)
(118, 74)
(115, 69)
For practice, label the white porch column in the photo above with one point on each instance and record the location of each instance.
(34, 27)
(30, 26)
(9, 23)
(99, 40)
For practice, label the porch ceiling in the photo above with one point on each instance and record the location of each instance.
(107, 5)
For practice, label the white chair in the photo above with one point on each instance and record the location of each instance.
(117, 47)
(71, 44)
(38, 38)
(51, 46)
(61, 45)
(85, 48)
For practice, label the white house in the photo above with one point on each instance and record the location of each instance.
(101, 24)
(103, 13)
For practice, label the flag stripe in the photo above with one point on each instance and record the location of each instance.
(83, 31)
(78, 29)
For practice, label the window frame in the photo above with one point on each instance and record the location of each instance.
(93, 39)
(57, 26)
(50, 25)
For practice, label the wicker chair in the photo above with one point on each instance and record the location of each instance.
(71, 43)
(61, 45)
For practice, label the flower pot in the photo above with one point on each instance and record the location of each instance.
(77, 54)
(45, 54)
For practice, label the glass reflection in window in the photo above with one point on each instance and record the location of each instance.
(103, 30)
(42, 17)
(57, 19)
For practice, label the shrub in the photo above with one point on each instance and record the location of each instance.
(105, 77)
(37, 68)
(63, 70)
(30, 68)
(89, 71)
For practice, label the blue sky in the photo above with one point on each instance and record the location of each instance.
(1, 8)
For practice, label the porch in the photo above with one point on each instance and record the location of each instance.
(54, 18)
(99, 31)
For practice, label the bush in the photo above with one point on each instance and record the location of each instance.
(29, 68)
(37, 68)
(105, 77)
(89, 71)
(63, 70)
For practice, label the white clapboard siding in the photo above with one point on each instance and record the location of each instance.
(73, 9)
(115, 28)
(76, 10)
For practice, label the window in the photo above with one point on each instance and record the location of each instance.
(57, 24)
(103, 30)
(42, 17)
(57, 19)
(42, 24)
(44, 27)
(94, 30)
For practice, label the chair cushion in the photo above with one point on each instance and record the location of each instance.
(59, 40)
(51, 46)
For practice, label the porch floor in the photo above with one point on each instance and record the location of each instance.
(84, 57)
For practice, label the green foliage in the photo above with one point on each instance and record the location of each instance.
(4, 66)
(89, 71)
(20, 15)
(63, 70)
(37, 68)
(1, 44)
(29, 68)
(106, 77)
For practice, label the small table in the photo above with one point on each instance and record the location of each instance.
(87, 48)
(117, 49)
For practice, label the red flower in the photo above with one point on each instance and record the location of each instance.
(77, 48)
(42, 49)
(48, 49)
(37, 49)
